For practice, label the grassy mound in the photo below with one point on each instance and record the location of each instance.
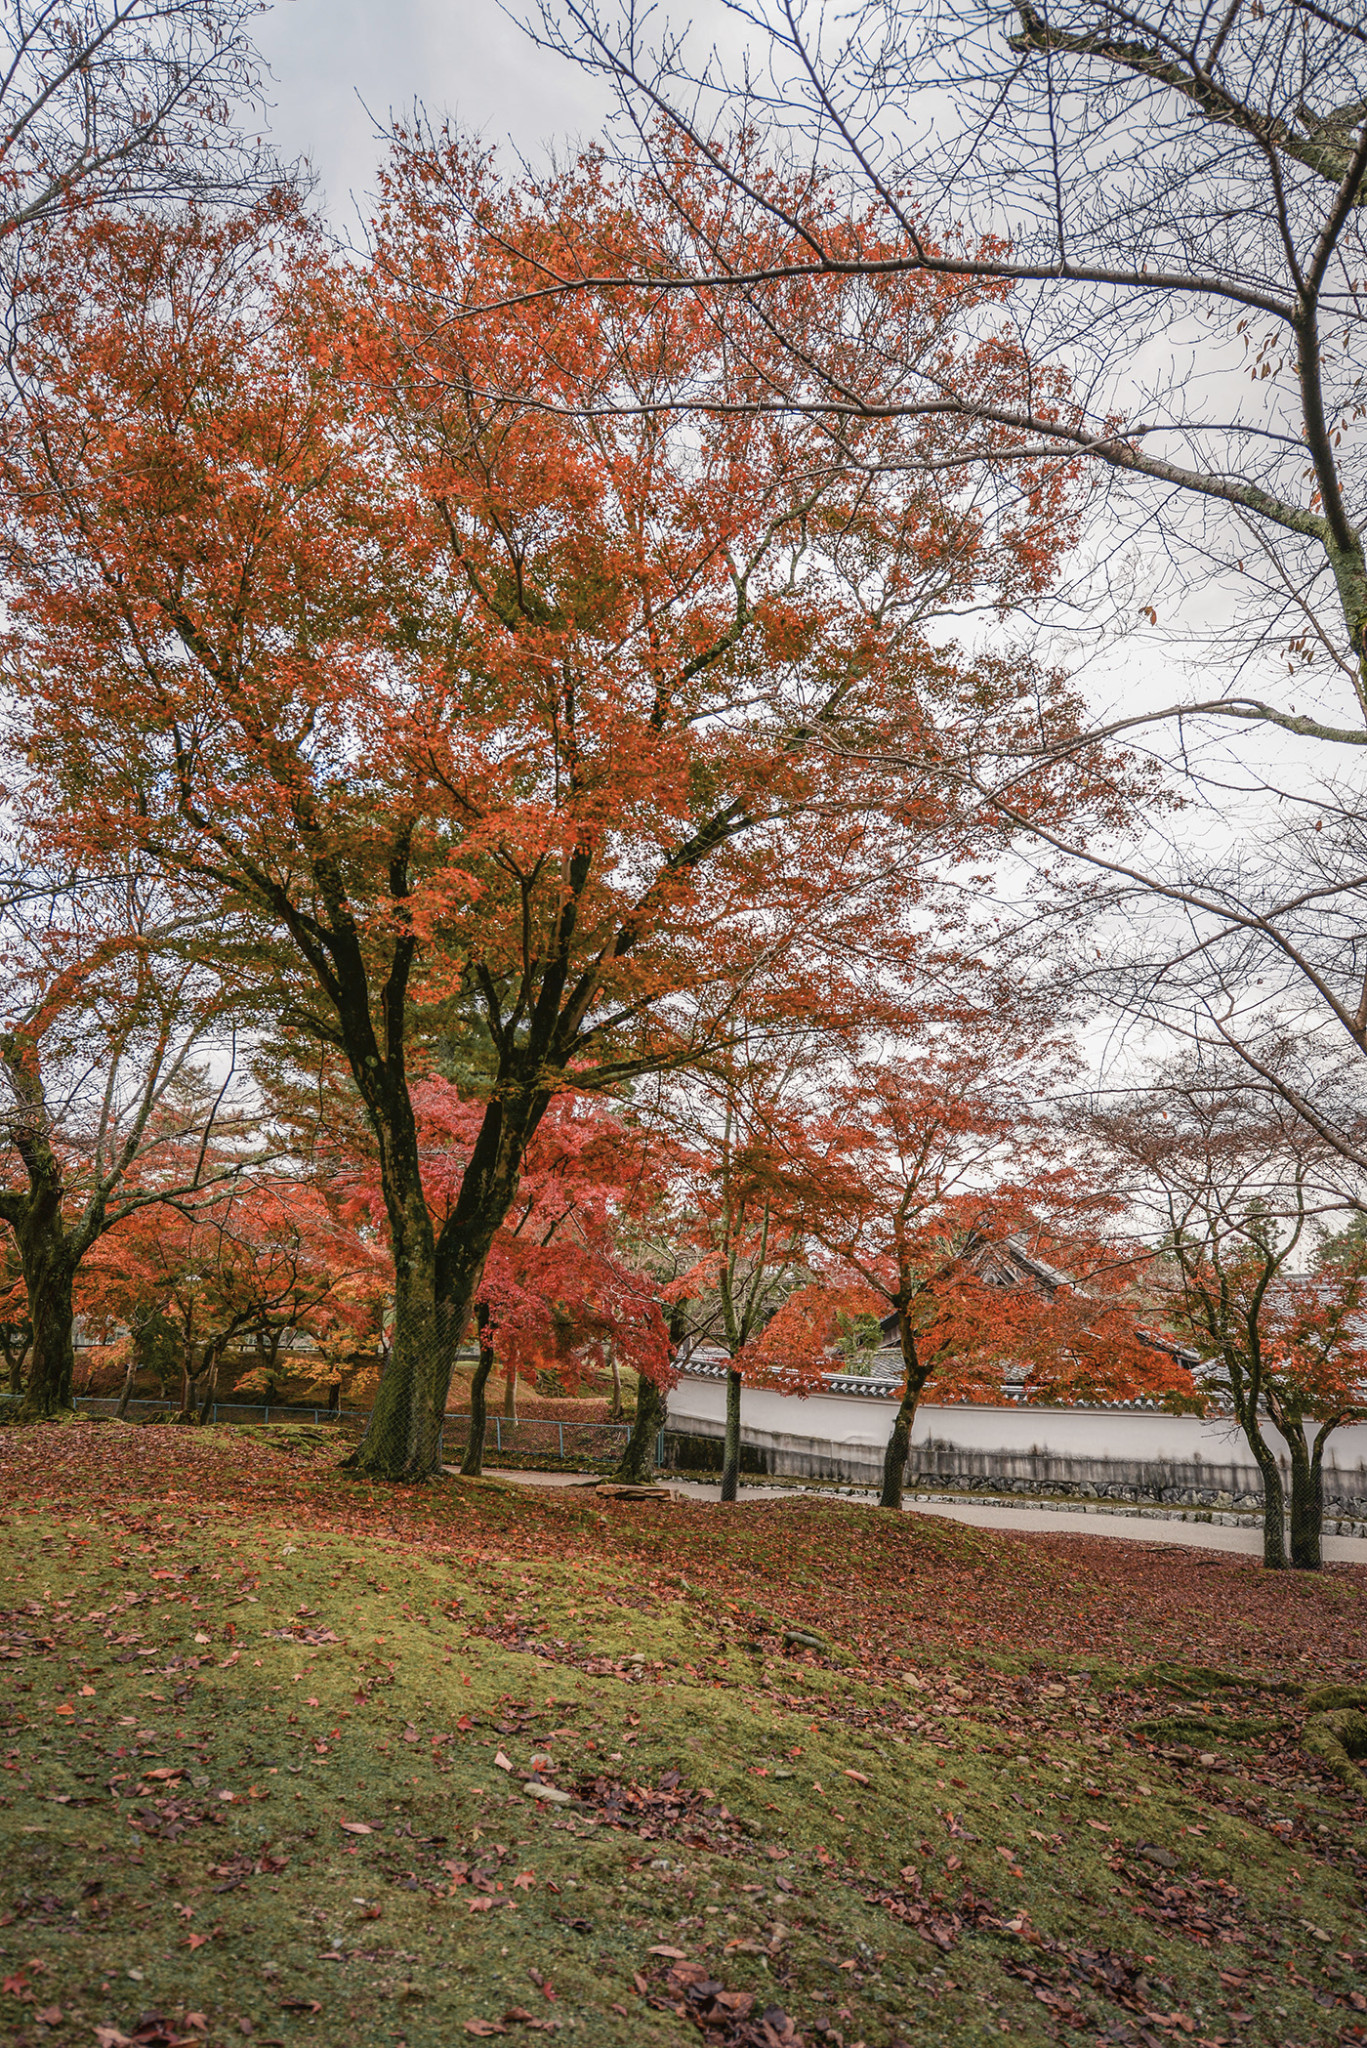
(268, 1758)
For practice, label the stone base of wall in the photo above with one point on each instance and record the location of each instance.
(1158, 1488)
(941, 1467)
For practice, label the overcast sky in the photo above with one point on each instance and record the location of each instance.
(459, 56)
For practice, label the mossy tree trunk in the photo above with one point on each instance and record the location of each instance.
(637, 1463)
(1274, 1500)
(1307, 1492)
(49, 1275)
(636, 1466)
(437, 1278)
(50, 1247)
(402, 1438)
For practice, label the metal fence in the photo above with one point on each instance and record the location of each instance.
(596, 1443)
(229, 1411)
(593, 1443)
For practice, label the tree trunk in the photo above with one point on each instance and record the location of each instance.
(126, 1391)
(637, 1464)
(730, 1463)
(898, 1450)
(615, 1410)
(436, 1286)
(14, 1358)
(210, 1378)
(189, 1384)
(402, 1439)
(436, 1280)
(899, 1443)
(49, 1274)
(472, 1464)
(509, 1393)
(1274, 1500)
(1307, 1499)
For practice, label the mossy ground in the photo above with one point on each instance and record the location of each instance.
(205, 1703)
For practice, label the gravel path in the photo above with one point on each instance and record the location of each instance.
(1060, 1519)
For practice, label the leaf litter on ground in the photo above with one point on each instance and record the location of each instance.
(838, 1776)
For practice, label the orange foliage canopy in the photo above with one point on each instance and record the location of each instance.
(912, 1180)
(521, 715)
(266, 1259)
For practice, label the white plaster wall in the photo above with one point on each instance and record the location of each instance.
(838, 1419)
(858, 1421)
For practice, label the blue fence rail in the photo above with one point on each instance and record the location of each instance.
(596, 1443)
(228, 1411)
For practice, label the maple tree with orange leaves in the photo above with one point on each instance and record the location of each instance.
(462, 715)
(265, 1260)
(935, 1195)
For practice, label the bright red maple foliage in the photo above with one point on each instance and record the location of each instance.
(560, 1287)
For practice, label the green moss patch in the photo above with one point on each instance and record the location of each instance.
(261, 1771)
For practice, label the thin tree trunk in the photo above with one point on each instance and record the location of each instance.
(49, 1275)
(15, 1359)
(730, 1464)
(898, 1450)
(125, 1394)
(210, 1378)
(615, 1410)
(472, 1464)
(637, 1464)
(899, 1443)
(189, 1384)
(509, 1393)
